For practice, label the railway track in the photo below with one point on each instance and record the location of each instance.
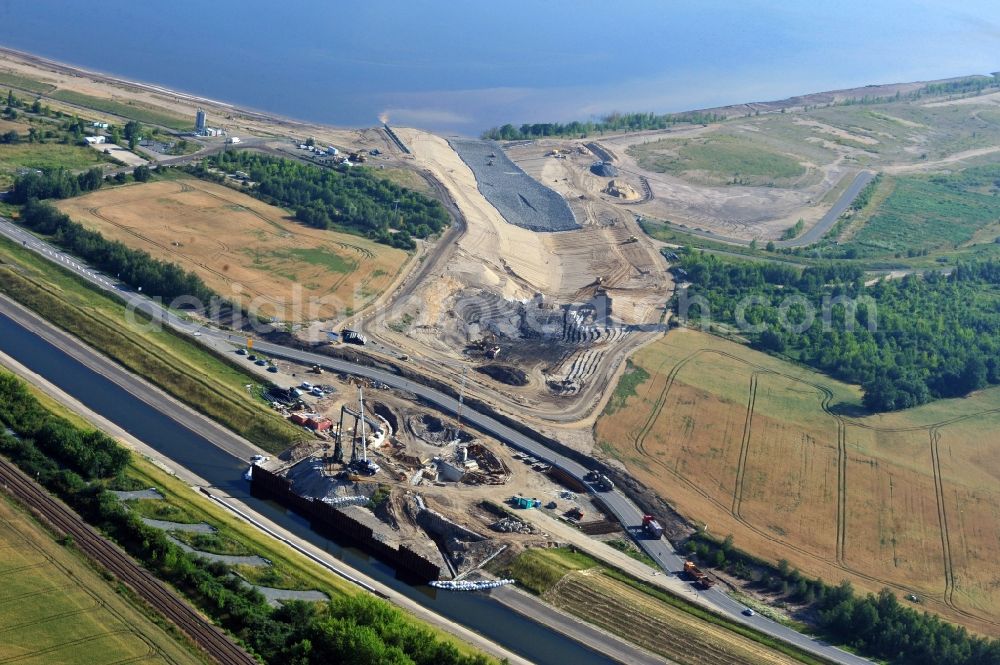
(209, 637)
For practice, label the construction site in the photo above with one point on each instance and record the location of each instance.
(416, 489)
(541, 294)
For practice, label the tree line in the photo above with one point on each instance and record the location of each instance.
(614, 122)
(934, 336)
(350, 198)
(877, 625)
(134, 267)
(348, 629)
(54, 184)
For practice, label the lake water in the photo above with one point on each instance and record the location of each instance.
(461, 67)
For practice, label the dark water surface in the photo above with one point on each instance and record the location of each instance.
(464, 66)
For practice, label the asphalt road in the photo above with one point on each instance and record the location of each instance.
(623, 508)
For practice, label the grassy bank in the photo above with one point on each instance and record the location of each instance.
(201, 379)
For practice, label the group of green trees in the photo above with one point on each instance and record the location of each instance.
(614, 122)
(69, 129)
(905, 341)
(78, 466)
(876, 625)
(91, 454)
(351, 198)
(54, 184)
(132, 266)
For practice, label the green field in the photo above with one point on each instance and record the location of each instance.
(924, 214)
(314, 256)
(717, 159)
(55, 608)
(144, 114)
(195, 376)
(24, 83)
(44, 156)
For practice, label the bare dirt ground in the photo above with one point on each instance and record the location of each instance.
(735, 211)
(495, 267)
(120, 153)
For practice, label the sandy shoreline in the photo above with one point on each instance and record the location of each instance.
(66, 76)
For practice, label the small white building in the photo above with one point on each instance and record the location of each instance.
(95, 140)
(233, 139)
(100, 125)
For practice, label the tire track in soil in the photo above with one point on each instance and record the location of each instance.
(949, 571)
(744, 449)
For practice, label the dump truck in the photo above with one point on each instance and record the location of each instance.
(701, 580)
(651, 527)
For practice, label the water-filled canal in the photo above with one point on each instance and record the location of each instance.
(532, 640)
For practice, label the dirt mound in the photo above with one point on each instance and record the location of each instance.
(622, 190)
(512, 376)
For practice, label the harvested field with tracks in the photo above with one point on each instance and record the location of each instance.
(244, 248)
(54, 608)
(619, 609)
(785, 460)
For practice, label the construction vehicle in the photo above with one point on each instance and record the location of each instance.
(651, 527)
(316, 369)
(701, 580)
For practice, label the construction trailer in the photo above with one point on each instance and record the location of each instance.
(701, 580)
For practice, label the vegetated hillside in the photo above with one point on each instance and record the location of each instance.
(927, 213)
(933, 336)
(351, 198)
(719, 158)
(783, 458)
